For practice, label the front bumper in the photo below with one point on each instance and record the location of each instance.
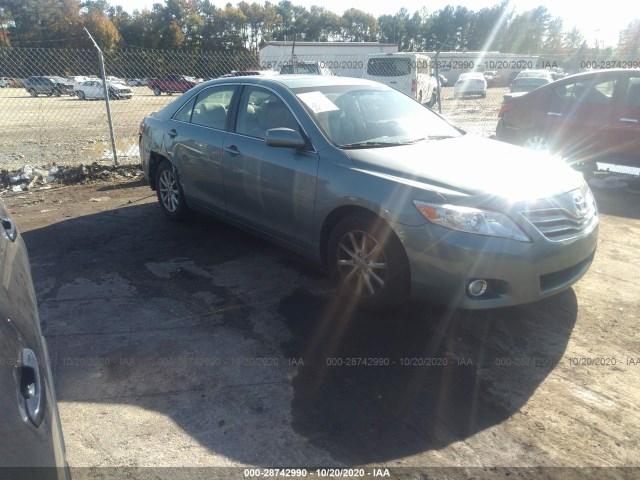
(444, 261)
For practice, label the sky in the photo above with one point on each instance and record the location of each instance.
(595, 22)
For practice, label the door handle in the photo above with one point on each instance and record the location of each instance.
(10, 229)
(172, 133)
(232, 150)
(629, 120)
(31, 387)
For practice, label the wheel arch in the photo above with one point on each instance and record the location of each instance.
(338, 215)
(155, 159)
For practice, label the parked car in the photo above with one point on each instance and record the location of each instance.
(492, 77)
(171, 84)
(470, 83)
(4, 82)
(135, 82)
(528, 80)
(383, 192)
(95, 89)
(305, 68)
(30, 431)
(585, 117)
(76, 79)
(51, 86)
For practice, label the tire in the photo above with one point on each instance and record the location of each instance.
(157, 91)
(81, 95)
(33, 93)
(484, 95)
(432, 100)
(369, 263)
(170, 194)
(57, 93)
(536, 141)
(169, 93)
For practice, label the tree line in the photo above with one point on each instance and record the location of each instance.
(200, 26)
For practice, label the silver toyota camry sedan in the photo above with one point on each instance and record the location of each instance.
(388, 196)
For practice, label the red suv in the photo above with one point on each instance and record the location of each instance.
(585, 117)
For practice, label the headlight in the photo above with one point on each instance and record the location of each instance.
(471, 220)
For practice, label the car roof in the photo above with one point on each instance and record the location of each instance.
(296, 81)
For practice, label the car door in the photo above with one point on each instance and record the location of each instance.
(197, 133)
(269, 188)
(93, 89)
(30, 434)
(575, 116)
(624, 124)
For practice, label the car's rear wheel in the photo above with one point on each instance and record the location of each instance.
(367, 259)
(32, 92)
(170, 193)
(56, 92)
(536, 141)
(81, 95)
(157, 91)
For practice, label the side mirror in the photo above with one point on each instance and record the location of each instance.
(284, 137)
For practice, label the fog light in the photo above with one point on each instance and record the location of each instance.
(477, 288)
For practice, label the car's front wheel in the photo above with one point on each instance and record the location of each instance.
(81, 95)
(157, 91)
(170, 193)
(367, 259)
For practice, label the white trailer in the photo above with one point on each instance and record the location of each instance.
(346, 59)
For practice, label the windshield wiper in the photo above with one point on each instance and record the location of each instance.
(429, 137)
(370, 143)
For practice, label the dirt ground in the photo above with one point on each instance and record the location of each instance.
(199, 345)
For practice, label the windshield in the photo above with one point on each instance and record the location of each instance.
(363, 116)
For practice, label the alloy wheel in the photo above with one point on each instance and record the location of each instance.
(362, 264)
(536, 142)
(168, 190)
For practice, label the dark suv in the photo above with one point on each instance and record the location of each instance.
(51, 86)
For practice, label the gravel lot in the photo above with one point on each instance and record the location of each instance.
(199, 345)
(70, 131)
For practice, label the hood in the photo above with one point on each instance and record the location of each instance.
(472, 165)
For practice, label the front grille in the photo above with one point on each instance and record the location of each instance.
(565, 217)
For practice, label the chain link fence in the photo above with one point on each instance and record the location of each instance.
(53, 108)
